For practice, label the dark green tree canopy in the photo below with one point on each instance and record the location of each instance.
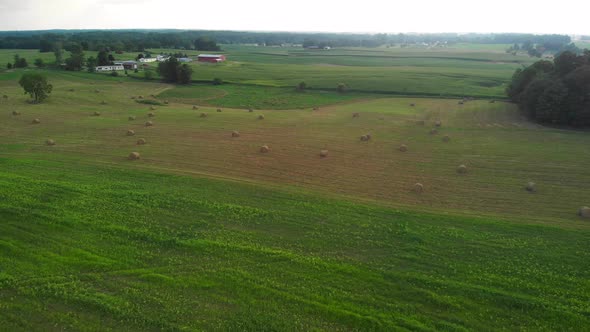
(36, 85)
(172, 71)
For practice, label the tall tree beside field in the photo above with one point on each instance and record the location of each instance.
(185, 73)
(91, 63)
(555, 93)
(39, 63)
(168, 69)
(36, 85)
(58, 52)
(76, 60)
(103, 58)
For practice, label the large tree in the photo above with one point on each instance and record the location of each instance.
(172, 71)
(36, 85)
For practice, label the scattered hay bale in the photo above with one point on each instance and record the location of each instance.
(418, 188)
(323, 153)
(50, 142)
(412, 105)
(264, 149)
(219, 110)
(195, 107)
(250, 110)
(462, 169)
(141, 141)
(446, 138)
(71, 90)
(460, 102)
(97, 91)
(531, 187)
(151, 114)
(139, 97)
(152, 108)
(365, 138)
(203, 115)
(235, 134)
(149, 124)
(134, 156)
(356, 115)
(261, 117)
(15, 113)
(131, 118)
(492, 101)
(166, 102)
(584, 212)
(130, 132)
(96, 113)
(133, 97)
(103, 102)
(437, 123)
(36, 121)
(403, 148)
(316, 108)
(433, 131)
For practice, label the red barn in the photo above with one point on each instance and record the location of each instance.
(214, 58)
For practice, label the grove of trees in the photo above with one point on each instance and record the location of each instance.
(555, 92)
(172, 71)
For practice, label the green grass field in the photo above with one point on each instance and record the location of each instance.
(204, 232)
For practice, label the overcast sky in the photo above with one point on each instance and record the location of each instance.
(569, 17)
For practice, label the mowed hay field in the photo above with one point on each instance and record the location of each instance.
(501, 150)
(205, 232)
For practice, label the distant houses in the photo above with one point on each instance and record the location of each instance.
(212, 58)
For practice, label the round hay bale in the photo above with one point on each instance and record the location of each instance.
(418, 188)
(364, 138)
(97, 91)
(195, 107)
(103, 102)
(356, 115)
(15, 113)
(250, 110)
(584, 212)
(403, 148)
(203, 115)
(149, 124)
(261, 117)
(462, 169)
(130, 132)
(219, 110)
(446, 139)
(139, 97)
(433, 132)
(152, 108)
(71, 90)
(235, 134)
(492, 101)
(438, 123)
(131, 118)
(151, 114)
(133, 97)
(264, 149)
(166, 102)
(36, 121)
(141, 141)
(323, 153)
(50, 142)
(316, 108)
(134, 156)
(531, 187)
(153, 96)
(96, 113)
(460, 103)
(412, 104)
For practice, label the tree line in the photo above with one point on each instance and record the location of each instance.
(555, 92)
(205, 40)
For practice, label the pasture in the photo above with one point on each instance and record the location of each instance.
(205, 232)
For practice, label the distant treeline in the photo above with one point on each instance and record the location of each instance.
(555, 92)
(140, 40)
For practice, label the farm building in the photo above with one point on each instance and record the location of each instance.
(185, 59)
(215, 58)
(109, 68)
(148, 60)
(162, 57)
(127, 64)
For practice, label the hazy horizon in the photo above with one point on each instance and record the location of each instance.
(422, 16)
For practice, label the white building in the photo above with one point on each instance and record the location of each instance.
(162, 57)
(148, 60)
(185, 59)
(109, 68)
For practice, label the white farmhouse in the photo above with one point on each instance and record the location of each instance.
(109, 68)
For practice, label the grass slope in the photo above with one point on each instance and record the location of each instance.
(97, 248)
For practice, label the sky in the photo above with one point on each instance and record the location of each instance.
(564, 17)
